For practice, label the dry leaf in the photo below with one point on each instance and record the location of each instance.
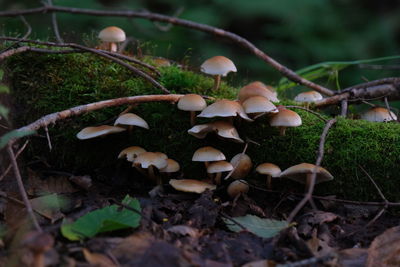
(52, 184)
(97, 259)
(352, 257)
(183, 230)
(385, 249)
(260, 263)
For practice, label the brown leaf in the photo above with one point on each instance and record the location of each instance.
(97, 259)
(52, 184)
(260, 263)
(385, 249)
(184, 230)
(84, 181)
(352, 257)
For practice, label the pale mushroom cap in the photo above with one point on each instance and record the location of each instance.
(208, 153)
(256, 104)
(285, 118)
(131, 152)
(191, 102)
(172, 166)
(299, 173)
(192, 186)
(310, 96)
(112, 34)
(237, 187)
(219, 166)
(147, 159)
(269, 169)
(131, 119)
(222, 128)
(244, 165)
(200, 131)
(378, 114)
(257, 89)
(161, 155)
(91, 132)
(218, 65)
(224, 108)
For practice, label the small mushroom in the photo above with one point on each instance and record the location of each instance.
(269, 169)
(224, 108)
(221, 128)
(149, 161)
(218, 168)
(302, 173)
(192, 103)
(258, 104)
(242, 164)
(38, 243)
(131, 120)
(378, 114)
(172, 166)
(130, 153)
(308, 97)
(207, 154)
(285, 118)
(191, 186)
(257, 89)
(218, 66)
(111, 36)
(96, 131)
(237, 187)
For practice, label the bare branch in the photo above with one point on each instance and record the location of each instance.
(310, 111)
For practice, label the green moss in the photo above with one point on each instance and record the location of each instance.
(44, 84)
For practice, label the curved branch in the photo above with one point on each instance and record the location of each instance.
(185, 23)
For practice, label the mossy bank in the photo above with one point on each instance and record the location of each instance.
(43, 84)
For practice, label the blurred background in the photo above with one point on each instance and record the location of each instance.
(295, 33)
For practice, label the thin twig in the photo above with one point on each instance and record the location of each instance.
(310, 111)
(16, 157)
(290, 74)
(28, 27)
(388, 109)
(55, 24)
(21, 188)
(46, 129)
(320, 156)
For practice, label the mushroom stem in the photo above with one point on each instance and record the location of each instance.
(38, 259)
(269, 182)
(217, 178)
(282, 130)
(192, 118)
(308, 181)
(137, 167)
(217, 82)
(113, 47)
(152, 176)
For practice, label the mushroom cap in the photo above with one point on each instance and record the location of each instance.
(131, 119)
(257, 104)
(269, 169)
(224, 108)
(95, 131)
(378, 114)
(172, 166)
(299, 173)
(257, 89)
(147, 159)
(222, 128)
(161, 155)
(285, 118)
(131, 152)
(208, 153)
(219, 166)
(237, 187)
(310, 96)
(192, 186)
(161, 62)
(112, 34)
(218, 65)
(191, 102)
(243, 166)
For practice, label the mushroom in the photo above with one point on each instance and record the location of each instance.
(224, 108)
(131, 153)
(207, 154)
(237, 187)
(161, 62)
(302, 173)
(149, 160)
(38, 243)
(221, 128)
(258, 104)
(131, 120)
(192, 103)
(95, 131)
(257, 89)
(308, 97)
(172, 166)
(378, 114)
(218, 66)
(111, 36)
(269, 169)
(242, 164)
(285, 118)
(192, 186)
(218, 168)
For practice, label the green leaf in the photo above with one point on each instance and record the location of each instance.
(4, 89)
(103, 220)
(262, 227)
(3, 112)
(13, 134)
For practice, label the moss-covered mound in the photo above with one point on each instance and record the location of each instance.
(47, 83)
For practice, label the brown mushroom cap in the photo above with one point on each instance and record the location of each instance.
(92, 132)
(256, 104)
(131, 152)
(299, 173)
(147, 159)
(237, 187)
(378, 114)
(191, 102)
(218, 65)
(222, 128)
(192, 186)
(131, 119)
(269, 169)
(285, 118)
(224, 108)
(219, 166)
(309, 97)
(112, 34)
(243, 166)
(172, 166)
(257, 89)
(208, 153)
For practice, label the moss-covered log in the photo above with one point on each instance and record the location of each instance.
(43, 84)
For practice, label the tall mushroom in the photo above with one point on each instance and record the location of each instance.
(285, 118)
(269, 169)
(207, 154)
(192, 103)
(111, 36)
(218, 168)
(218, 66)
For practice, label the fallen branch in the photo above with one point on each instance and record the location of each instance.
(181, 22)
(310, 111)
(16, 157)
